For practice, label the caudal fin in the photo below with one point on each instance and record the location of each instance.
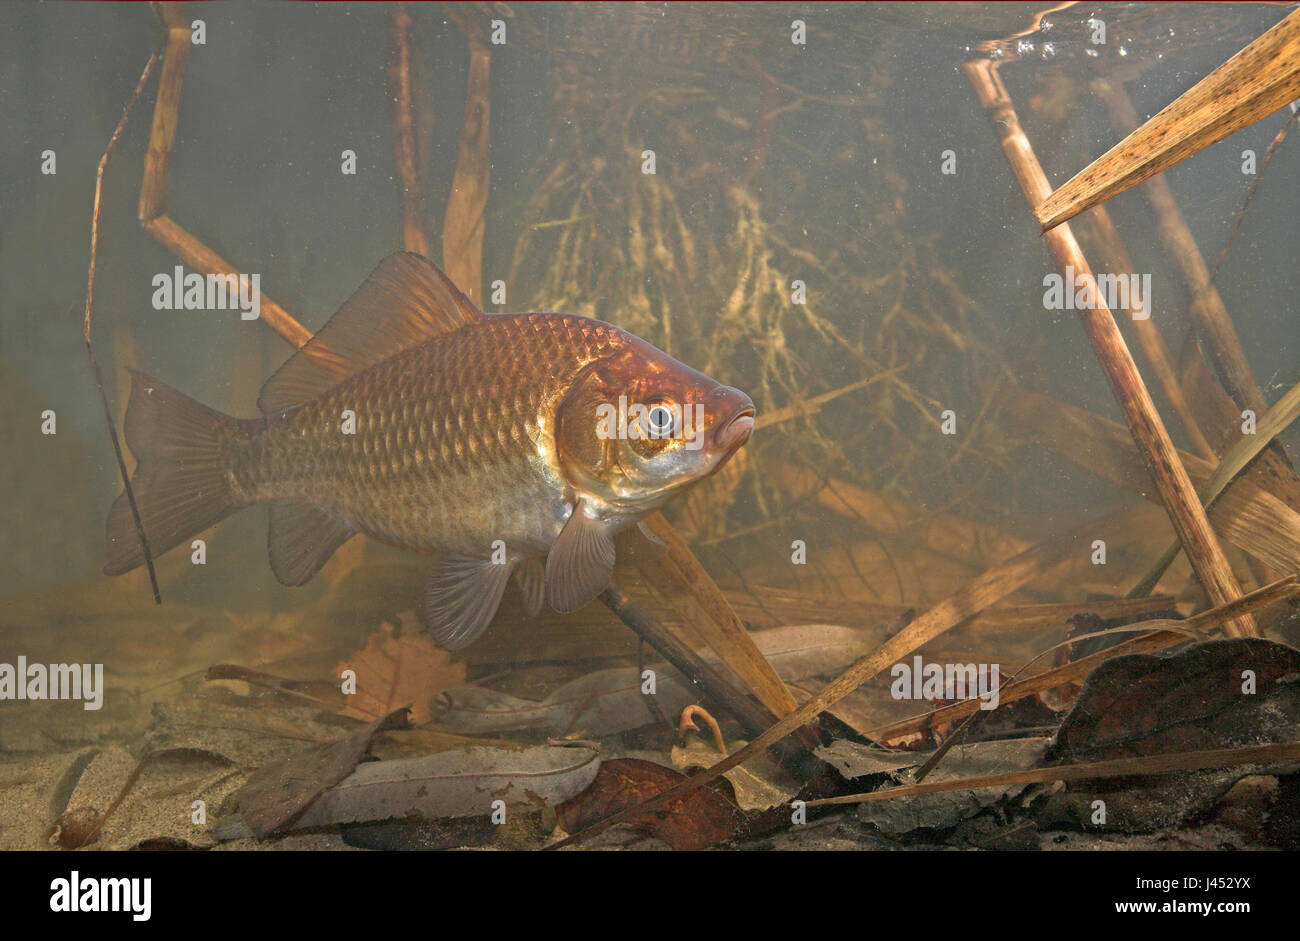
(181, 483)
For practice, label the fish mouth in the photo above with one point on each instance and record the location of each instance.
(735, 431)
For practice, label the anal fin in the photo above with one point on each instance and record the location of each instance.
(301, 540)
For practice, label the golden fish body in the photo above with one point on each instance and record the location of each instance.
(454, 444)
(420, 421)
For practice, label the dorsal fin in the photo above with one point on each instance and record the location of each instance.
(405, 301)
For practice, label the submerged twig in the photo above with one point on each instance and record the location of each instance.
(1113, 768)
(1163, 633)
(90, 294)
(414, 233)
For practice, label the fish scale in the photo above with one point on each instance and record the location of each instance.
(439, 427)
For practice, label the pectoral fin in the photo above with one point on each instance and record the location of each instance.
(460, 598)
(579, 565)
(530, 579)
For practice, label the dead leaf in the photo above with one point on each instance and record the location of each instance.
(276, 794)
(1147, 705)
(461, 783)
(759, 784)
(700, 819)
(399, 667)
(1143, 704)
(946, 809)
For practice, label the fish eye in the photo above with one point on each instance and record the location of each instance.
(660, 419)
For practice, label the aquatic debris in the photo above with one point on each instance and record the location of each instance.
(276, 794)
(475, 781)
(1160, 459)
(1163, 633)
(398, 669)
(614, 700)
(1231, 693)
(702, 819)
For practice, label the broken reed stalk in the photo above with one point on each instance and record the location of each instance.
(984, 590)
(157, 177)
(1263, 755)
(1153, 345)
(1207, 306)
(1272, 424)
(679, 577)
(90, 297)
(463, 221)
(414, 235)
(1257, 81)
(1165, 632)
(708, 680)
(1157, 450)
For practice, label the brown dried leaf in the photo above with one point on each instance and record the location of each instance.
(1142, 704)
(399, 668)
(698, 820)
(275, 795)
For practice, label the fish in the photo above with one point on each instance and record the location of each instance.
(504, 444)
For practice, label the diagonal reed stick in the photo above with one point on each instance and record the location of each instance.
(1113, 768)
(1165, 632)
(1254, 83)
(1149, 434)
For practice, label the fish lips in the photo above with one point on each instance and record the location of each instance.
(734, 431)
